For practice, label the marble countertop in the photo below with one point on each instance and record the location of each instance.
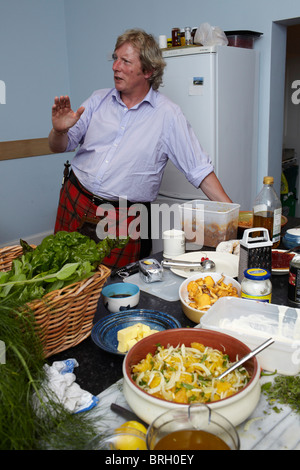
(265, 429)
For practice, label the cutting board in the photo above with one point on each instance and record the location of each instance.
(167, 288)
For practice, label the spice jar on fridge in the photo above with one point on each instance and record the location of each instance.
(188, 36)
(257, 285)
(176, 38)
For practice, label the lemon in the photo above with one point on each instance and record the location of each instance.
(134, 424)
(132, 436)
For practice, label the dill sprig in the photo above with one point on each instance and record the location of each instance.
(27, 423)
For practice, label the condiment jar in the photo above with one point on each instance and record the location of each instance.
(294, 281)
(176, 39)
(257, 285)
(188, 36)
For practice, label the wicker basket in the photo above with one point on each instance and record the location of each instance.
(64, 317)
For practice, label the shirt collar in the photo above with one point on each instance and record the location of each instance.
(149, 98)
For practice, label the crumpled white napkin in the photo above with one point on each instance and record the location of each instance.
(230, 246)
(61, 380)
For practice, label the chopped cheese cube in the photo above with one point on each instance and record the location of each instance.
(122, 347)
(131, 343)
(128, 333)
(144, 328)
(128, 337)
(148, 333)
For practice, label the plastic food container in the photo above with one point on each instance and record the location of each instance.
(208, 222)
(237, 40)
(252, 323)
(242, 38)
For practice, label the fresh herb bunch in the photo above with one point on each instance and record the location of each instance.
(27, 424)
(60, 260)
(285, 390)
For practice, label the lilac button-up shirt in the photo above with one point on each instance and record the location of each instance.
(123, 152)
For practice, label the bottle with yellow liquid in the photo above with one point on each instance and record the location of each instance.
(267, 211)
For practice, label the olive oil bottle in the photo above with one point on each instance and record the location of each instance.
(267, 211)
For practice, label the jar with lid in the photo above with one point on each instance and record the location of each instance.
(257, 285)
(188, 36)
(294, 281)
(176, 38)
(267, 211)
(182, 37)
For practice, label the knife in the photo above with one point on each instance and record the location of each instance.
(127, 414)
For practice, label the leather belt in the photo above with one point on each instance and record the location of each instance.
(97, 200)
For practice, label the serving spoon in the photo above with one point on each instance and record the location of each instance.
(247, 357)
(206, 265)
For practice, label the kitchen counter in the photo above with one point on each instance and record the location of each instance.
(100, 373)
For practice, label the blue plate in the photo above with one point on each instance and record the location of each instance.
(105, 331)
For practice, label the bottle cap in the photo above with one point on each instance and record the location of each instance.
(257, 274)
(268, 180)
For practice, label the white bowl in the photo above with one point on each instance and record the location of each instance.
(236, 408)
(193, 313)
(120, 296)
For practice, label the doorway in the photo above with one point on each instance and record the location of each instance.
(290, 187)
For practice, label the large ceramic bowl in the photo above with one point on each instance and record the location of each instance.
(236, 408)
(193, 313)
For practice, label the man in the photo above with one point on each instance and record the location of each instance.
(126, 135)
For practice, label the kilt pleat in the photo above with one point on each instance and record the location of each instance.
(75, 207)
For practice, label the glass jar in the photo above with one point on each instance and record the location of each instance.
(176, 40)
(267, 211)
(257, 285)
(188, 36)
(294, 281)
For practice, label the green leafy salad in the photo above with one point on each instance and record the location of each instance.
(60, 260)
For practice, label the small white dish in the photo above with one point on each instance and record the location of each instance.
(120, 296)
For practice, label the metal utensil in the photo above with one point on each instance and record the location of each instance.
(205, 265)
(247, 357)
(296, 248)
(208, 265)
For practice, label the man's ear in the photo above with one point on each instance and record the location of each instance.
(148, 74)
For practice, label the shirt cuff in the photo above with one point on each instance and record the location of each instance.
(198, 174)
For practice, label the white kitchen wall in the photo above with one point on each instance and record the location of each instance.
(57, 47)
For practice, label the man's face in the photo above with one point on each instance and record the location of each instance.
(128, 75)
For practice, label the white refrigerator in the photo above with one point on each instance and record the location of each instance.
(217, 89)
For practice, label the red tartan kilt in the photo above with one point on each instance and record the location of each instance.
(74, 205)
